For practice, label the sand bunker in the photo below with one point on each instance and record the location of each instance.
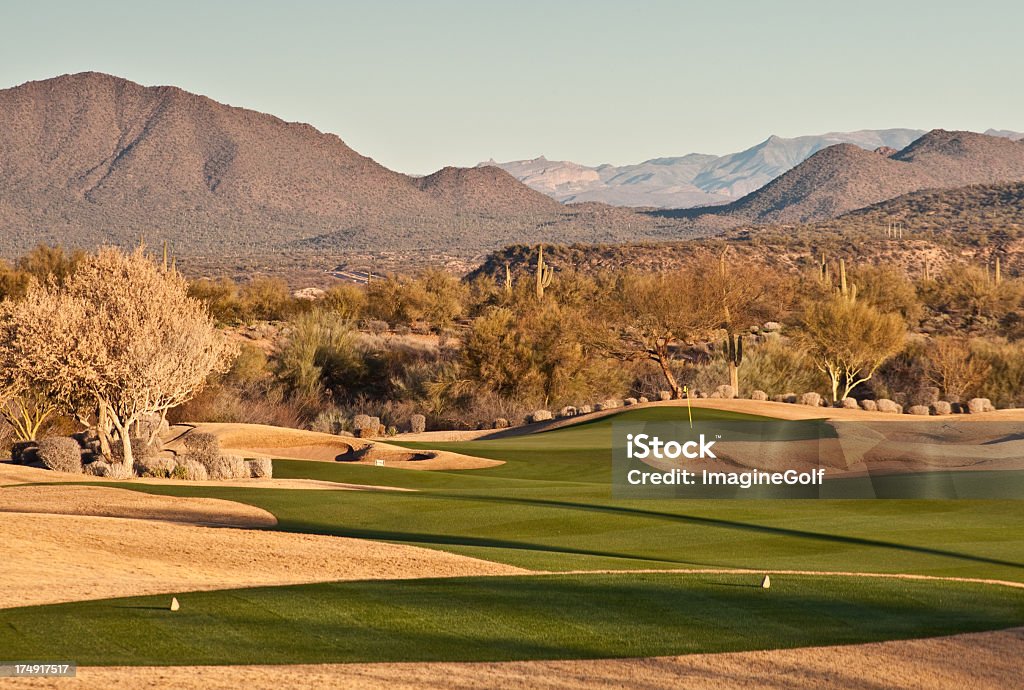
(980, 661)
(105, 501)
(257, 440)
(54, 558)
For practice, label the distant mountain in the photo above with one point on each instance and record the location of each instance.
(91, 158)
(692, 180)
(845, 177)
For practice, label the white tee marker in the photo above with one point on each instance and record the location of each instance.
(766, 582)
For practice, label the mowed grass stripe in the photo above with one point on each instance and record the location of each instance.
(503, 618)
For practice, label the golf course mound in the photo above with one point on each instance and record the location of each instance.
(63, 558)
(102, 501)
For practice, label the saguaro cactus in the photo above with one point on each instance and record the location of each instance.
(544, 273)
(508, 279)
(849, 292)
(733, 349)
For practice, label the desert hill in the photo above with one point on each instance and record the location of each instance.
(844, 177)
(92, 158)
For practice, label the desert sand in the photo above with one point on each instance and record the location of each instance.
(55, 558)
(980, 661)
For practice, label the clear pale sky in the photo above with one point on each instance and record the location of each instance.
(419, 85)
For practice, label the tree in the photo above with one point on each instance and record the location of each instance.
(650, 316)
(121, 339)
(849, 340)
(953, 366)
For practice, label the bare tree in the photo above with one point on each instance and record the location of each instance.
(651, 316)
(954, 368)
(849, 340)
(119, 340)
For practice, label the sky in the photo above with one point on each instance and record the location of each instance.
(418, 85)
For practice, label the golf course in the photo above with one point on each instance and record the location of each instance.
(577, 575)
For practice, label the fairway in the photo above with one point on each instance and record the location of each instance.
(549, 508)
(504, 618)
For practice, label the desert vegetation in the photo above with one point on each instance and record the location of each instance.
(109, 345)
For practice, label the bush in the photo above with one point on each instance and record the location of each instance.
(202, 443)
(227, 467)
(155, 466)
(417, 423)
(329, 422)
(189, 470)
(260, 468)
(61, 454)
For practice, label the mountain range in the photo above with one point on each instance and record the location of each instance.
(696, 179)
(89, 159)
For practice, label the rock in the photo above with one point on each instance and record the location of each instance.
(979, 405)
(959, 407)
(643, 399)
(778, 398)
(759, 395)
(726, 391)
(715, 395)
(609, 404)
(629, 402)
(584, 409)
(851, 404)
(501, 423)
(811, 399)
(541, 416)
(417, 423)
(921, 410)
(664, 395)
(789, 398)
(941, 407)
(772, 327)
(24, 452)
(869, 405)
(567, 411)
(888, 406)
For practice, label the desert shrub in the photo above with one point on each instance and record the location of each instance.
(225, 467)
(201, 442)
(777, 366)
(102, 468)
(266, 299)
(250, 366)
(345, 301)
(952, 365)
(1004, 383)
(888, 289)
(189, 470)
(221, 298)
(155, 466)
(242, 405)
(320, 353)
(331, 421)
(61, 454)
(417, 423)
(260, 468)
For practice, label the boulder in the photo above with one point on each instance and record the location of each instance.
(501, 423)
(643, 399)
(789, 398)
(869, 405)
(772, 327)
(979, 405)
(888, 406)
(811, 399)
(417, 423)
(567, 411)
(850, 404)
(921, 410)
(629, 402)
(584, 409)
(541, 416)
(941, 407)
(759, 395)
(726, 391)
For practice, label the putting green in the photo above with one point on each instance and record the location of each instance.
(503, 618)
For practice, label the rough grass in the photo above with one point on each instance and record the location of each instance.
(503, 618)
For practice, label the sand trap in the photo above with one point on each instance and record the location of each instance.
(105, 501)
(54, 558)
(980, 661)
(258, 440)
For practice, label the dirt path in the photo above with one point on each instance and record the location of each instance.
(54, 558)
(980, 661)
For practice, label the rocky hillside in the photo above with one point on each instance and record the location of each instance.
(91, 158)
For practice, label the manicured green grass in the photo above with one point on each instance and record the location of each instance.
(550, 507)
(502, 618)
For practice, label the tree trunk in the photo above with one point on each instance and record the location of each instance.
(666, 369)
(124, 432)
